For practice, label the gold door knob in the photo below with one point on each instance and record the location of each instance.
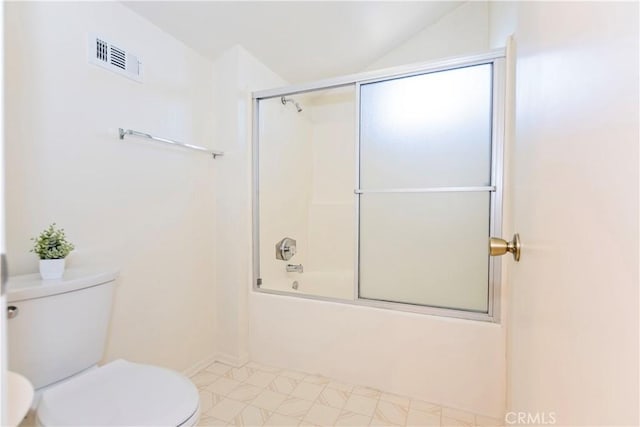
(499, 246)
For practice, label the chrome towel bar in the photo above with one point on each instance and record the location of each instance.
(123, 132)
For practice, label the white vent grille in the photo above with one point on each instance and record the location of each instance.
(118, 57)
(107, 55)
(101, 50)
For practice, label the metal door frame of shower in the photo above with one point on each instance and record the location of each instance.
(495, 57)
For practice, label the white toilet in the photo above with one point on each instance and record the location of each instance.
(57, 331)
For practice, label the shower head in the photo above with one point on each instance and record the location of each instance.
(284, 101)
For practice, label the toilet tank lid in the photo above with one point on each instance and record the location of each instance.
(31, 286)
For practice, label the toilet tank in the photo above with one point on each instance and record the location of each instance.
(58, 328)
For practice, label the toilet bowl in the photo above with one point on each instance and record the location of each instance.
(121, 393)
(57, 333)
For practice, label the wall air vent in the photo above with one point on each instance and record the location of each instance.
(101, 50)
(118, 58)
(106, 54)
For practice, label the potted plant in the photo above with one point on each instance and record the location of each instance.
(52, 247)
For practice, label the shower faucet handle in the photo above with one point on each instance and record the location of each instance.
(285, 249)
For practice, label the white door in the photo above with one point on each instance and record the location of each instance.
(573, 306)
(3, 271)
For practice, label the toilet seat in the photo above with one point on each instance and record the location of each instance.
(122, 393)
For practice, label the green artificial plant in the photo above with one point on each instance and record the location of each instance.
(52, 244)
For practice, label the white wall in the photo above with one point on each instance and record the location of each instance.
(573, 308)
(307, 171)
(502, 18)
(331, 211)
(236, 73)
(285, 189)
(144, 207)
(453, 362)
(463, 31)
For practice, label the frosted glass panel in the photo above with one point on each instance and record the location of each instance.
(429, 249)
(430, 130)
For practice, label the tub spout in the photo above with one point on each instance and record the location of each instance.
(295, 268)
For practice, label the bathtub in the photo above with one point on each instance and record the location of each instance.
(332, 284)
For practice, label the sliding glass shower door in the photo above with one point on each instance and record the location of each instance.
(383, 189)
(426, 188)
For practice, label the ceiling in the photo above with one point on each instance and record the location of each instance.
(300, 41)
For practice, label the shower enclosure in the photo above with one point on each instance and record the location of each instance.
(383, 188)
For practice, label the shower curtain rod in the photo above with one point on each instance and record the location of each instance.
(123, 132)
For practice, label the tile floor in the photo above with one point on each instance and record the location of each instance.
(259, 395)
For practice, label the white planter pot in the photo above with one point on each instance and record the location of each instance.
(51, 268)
